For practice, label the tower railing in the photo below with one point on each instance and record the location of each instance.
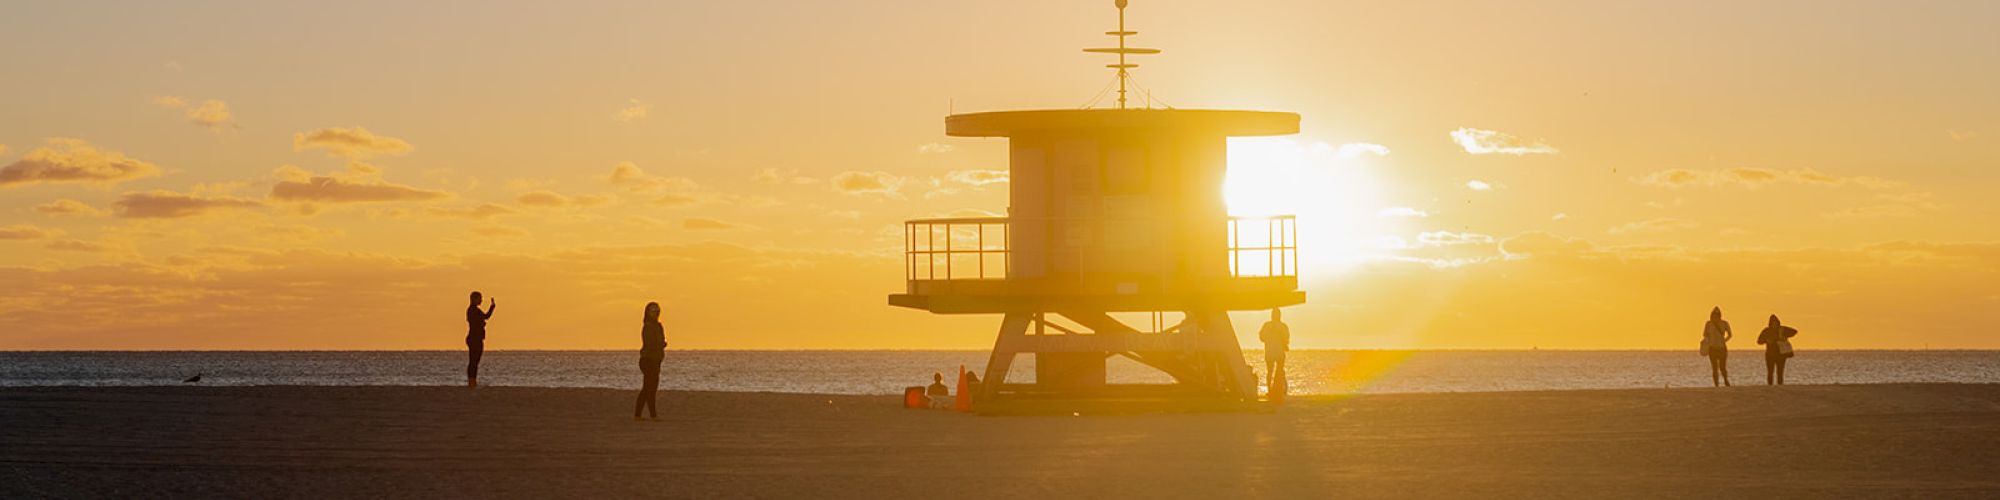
(978, 248)
(1264, 246)
(955, 249)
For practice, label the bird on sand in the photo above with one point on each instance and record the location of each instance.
(193, 379)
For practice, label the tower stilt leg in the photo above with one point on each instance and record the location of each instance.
(1218, 340)
(1012, 330)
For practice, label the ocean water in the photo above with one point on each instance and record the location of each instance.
(887, 372)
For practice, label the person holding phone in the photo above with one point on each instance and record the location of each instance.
(475, 337)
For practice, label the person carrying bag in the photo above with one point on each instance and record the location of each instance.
(1776, 339)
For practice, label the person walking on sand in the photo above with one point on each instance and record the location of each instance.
(1277, 342)
(475, 337)
(652, 349)
(1715, 344)
(1777, 348)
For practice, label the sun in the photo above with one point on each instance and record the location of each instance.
(1334, 191)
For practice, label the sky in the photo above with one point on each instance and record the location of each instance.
(1468, 175)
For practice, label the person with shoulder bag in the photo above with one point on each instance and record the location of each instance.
(1776, 339)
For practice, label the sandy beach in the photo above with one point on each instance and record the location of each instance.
(1797, 441)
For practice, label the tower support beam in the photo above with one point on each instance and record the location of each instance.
(1201, 354)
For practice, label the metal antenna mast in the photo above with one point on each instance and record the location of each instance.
(1122, 51)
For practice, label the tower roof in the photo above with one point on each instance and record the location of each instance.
(1220, 122)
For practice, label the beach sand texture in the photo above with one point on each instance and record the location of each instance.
(1796, 441)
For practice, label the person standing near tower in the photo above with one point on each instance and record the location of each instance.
(1277, 341)
(475, 337)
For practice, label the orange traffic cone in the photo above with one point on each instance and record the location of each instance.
(964, 400)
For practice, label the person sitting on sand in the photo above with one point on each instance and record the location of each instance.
(938, 393)
(1777, 348)
(1715, 337)
(652, 349)
(475, 337)
(937, 387)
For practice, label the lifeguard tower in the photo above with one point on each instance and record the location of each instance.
(1111, 211)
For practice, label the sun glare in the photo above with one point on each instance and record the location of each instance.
(1332, 190)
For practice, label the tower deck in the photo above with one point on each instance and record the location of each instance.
(963, 266)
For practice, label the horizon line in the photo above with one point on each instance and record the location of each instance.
(1508, 349)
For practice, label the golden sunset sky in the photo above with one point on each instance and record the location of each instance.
(279, 175)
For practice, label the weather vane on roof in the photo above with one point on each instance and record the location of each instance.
(1122, 51)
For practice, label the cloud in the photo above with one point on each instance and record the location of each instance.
(706, 224)
(864, 183)
(1660, 225)
(66, 206)
(160, 204)
(754, 201)
(73, 245)
(676, 200)
(1441, 249)
(74, 161)
(481, 211)
(546, 199)
(1893, 206)
(360, 184)
(1403, 212)
(629, 176)
(1537, 243)
(212, 114)
(1357, 149)
(295, 233)
(170, 102)
(776, 176)
(1480, 142)
(1448, 238)
(1962, 136)
(977, 177)
(633, 111)
(351, 143)
(1478, 185)
(1559, 216)
(551, 199)
(26, 232)
(1750, 177)
(227, 297)
(1967, 252)
(935, 148)
(499, 232)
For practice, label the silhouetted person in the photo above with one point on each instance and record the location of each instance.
(937, 387)
(652, 349)
(475, 337)
(1777, 347)
(1715, 337)
(1277, 341)
(939, 393)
